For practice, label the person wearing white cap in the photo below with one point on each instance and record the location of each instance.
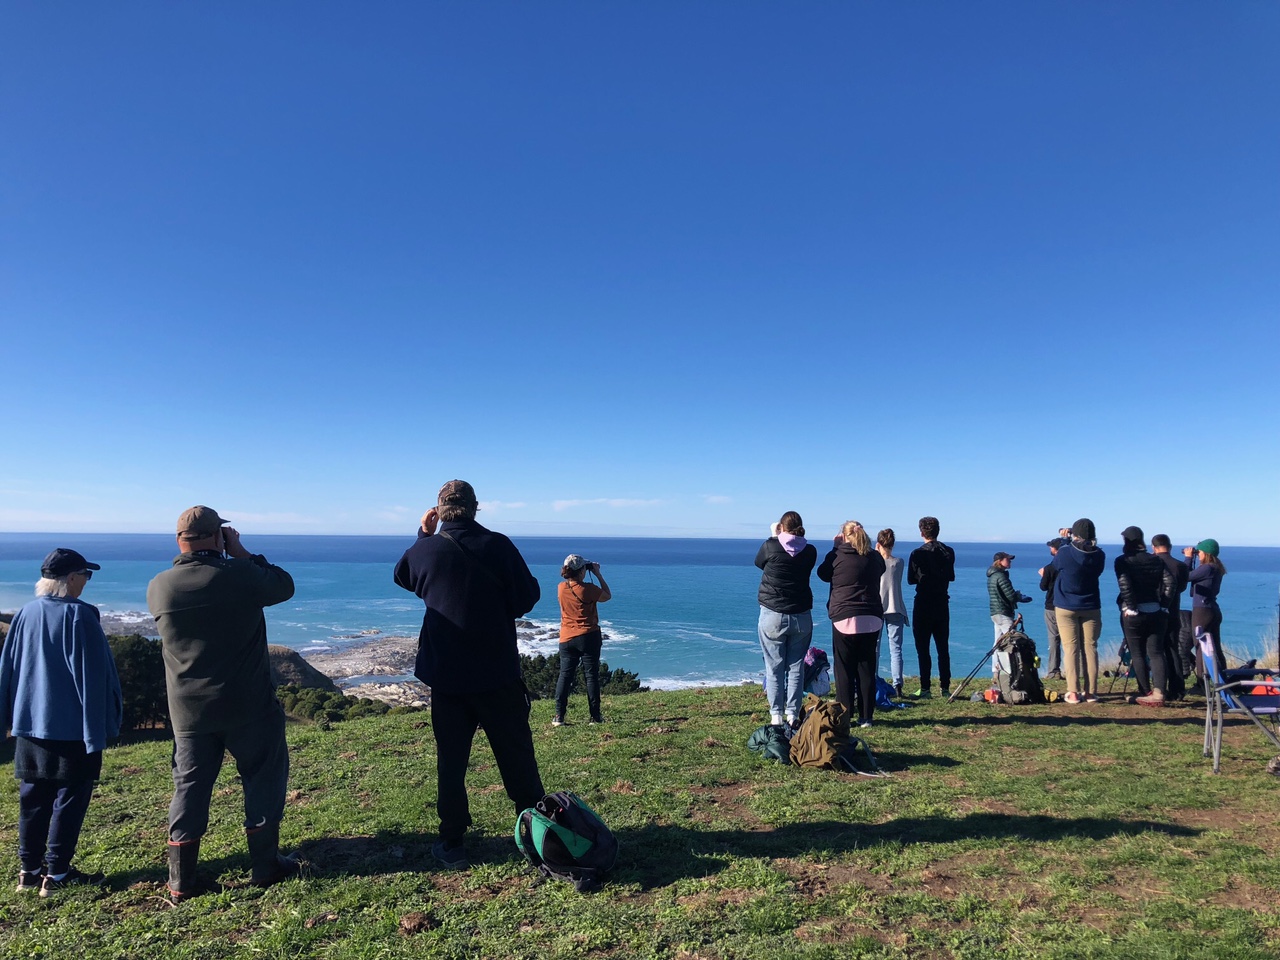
(580, 636)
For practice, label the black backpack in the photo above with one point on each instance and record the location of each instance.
(1020, 682)
(564, 838)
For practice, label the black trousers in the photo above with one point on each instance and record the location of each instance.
(503, 714)
(1175, 670)
(584, 649)
(932, 618)
(855, 657)
(1145, 635)
(1209, 619)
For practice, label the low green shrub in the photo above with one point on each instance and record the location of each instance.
(321, 706)
(542, 672)
(141, 668)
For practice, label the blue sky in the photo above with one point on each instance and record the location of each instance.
(642, 268)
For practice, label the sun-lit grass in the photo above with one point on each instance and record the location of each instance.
(1014, 832)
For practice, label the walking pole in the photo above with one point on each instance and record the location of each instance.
(1124, 647)
(1017, 624)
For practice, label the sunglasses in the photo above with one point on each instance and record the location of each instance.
(87, 574)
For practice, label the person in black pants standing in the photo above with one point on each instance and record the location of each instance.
(932, 568)
(1176, 667)
(474, 584)
(854, 570)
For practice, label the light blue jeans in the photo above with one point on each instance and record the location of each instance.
(784, 640)
(893, 626)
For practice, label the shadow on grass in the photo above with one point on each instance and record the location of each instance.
(1149, 718)
(657, 856)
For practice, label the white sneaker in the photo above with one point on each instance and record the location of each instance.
(775, 719)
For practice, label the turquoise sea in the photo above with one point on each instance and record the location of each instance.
(683, 614)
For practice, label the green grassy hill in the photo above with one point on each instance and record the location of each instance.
(1055, 831)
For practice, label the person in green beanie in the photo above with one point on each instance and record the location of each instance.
(1207, 571)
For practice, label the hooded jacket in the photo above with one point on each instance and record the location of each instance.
(784, 586)
(1079, 568)
(855, 582)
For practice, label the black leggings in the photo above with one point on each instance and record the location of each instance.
(1209, 619)
(855, 655)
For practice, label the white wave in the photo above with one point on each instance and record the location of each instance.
(687, 683)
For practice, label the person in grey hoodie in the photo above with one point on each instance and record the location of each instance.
(786, 615)
(895, 608)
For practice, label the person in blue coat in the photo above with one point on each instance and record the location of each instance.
(60, 697)
(1077, 603)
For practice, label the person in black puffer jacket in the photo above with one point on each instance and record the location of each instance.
(1147, 590)
(857, 615)
(786, 615)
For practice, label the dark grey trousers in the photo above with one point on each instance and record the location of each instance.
(262, 760)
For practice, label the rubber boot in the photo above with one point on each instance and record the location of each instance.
(183, 858)
(264, 856)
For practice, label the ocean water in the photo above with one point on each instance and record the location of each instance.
(683, 613)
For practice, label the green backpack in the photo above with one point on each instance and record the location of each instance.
(565, 839)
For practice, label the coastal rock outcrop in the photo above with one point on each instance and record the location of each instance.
(288, 666)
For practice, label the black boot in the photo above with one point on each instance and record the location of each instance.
(183, 858)
(264, 856)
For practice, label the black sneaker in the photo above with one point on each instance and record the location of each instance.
(73, 878)
(29, 881)
(595, 720)
(453, 858)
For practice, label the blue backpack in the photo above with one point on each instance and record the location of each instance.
(565, 839)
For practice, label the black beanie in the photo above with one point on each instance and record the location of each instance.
(1083, 529)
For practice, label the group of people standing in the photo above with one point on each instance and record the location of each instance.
(1151, 583)
(866, 598)
(60, 694)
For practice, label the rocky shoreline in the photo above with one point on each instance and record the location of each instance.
(353, 669)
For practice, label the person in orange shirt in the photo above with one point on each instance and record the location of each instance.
(580, 637)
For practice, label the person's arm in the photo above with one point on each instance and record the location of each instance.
(1168, 587)
(87, 653)
(827, 566)
(762, 554)
(605, 593)
(274, 585)
(523, 592)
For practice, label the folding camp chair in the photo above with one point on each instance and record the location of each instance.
(1239, 692)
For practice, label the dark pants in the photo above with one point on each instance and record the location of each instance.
(1145, 634)
(1209, 619)
(50, 815)
(932, 618)
(1175, 670)
(855, 656)
(262, 760)
(503, 714)
(584, 649)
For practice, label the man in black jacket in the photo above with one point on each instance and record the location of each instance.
(932, 568)
(1146, 591)
(474, 584)
(1178, 666)
(1048, 574)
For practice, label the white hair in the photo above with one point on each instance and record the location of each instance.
(51, 587)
